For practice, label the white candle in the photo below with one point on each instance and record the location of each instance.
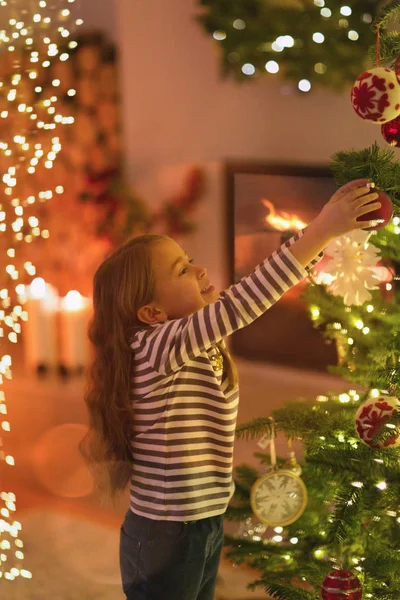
(74, 320)
(40, 339)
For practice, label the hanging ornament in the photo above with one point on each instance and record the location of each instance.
(375, 95)
(391, 132)
(382, 215)
(280, 497)
(397, 68)
(351, 266)
(372, 416)
(341, 585)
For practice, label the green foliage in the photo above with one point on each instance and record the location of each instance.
(248, 29)
(352, 518)
(378, 164)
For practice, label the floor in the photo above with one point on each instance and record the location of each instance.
(47, 418)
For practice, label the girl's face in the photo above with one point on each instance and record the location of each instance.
(180, 285)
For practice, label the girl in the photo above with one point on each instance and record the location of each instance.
(163, 393)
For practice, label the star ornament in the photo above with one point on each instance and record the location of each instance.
(351, 267)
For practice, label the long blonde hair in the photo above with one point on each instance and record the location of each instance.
(123, 283)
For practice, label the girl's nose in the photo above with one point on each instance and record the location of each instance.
(202, 272)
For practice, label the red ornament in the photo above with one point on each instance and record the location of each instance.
(376, 95)
(371, 418)
(391, 132)
(383, 215)
(341, 585)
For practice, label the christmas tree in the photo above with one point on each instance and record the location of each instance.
(344, 542)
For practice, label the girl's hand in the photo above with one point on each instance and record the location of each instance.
(339, 215)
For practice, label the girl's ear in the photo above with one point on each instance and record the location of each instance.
(151, 315)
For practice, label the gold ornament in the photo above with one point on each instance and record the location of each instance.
(279, 498)
(217, 360)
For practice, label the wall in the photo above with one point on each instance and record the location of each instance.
(100, 15)
(178, 110)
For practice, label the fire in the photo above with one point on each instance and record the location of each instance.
(282, 221)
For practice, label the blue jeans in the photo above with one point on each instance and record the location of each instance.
(170, 560)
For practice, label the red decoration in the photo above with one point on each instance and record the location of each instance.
(383, 214)
(372, 417)
(341, 585)
(391, 132)
(375, 95)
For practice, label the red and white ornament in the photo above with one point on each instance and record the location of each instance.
(375, 95)
(382, 215)
(371, 418)
(341, 585)
(391, 132)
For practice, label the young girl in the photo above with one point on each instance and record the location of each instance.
(163, 393)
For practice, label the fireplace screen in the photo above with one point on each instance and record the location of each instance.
(265, 202)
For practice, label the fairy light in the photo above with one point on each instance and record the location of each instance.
(219, 35)
(304, 85)
(248, 69)
(239, 24)
(344, 398)
(315, 312)
(318, 38)
(272, 66)
(19, 220)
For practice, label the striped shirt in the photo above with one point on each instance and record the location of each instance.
(184, 410)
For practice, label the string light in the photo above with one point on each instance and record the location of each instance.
(19, 221)
(304, 85)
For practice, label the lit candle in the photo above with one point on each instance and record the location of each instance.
(74, 320)
(40, 339)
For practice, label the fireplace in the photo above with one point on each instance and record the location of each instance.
(264, 203)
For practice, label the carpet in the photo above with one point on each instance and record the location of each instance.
(69, 558)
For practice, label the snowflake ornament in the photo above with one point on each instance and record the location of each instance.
(351, 267)
(279, 498)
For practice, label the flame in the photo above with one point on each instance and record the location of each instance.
(282, 221)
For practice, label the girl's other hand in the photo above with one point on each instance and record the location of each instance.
(340, 214)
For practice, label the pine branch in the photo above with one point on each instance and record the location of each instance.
(383, 561)
(391, 11)
(346, 518)
(284, 592)
(390, 49)
(375, 163)
(255, 428)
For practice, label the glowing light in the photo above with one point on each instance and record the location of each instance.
(382, 485)
(346, 11)
(239, 24)
(248, 69)
(219, 35)
(326, 12)
(320, 68)
(304, 85)
(353, 35)
(272, 66)
(318, 38)
(73, 301)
